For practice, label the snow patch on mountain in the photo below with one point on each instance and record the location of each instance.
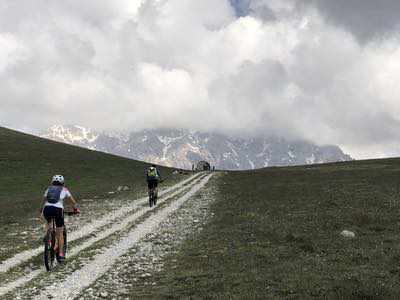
(183, 148)
(71, 134)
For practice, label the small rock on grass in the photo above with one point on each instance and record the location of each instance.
(103, 294)
(348, 234)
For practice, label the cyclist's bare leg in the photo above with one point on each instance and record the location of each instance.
(46, 225)
(60, 237)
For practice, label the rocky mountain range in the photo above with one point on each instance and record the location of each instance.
(183, 148)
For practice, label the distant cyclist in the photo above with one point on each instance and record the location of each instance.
(53, 208)
(153, 178)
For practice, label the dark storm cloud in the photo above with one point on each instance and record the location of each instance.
(366, 19)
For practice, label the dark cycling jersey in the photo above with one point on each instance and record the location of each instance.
(153, 175)
(152, 184)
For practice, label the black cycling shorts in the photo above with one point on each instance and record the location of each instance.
(50, 212)
(152, 184)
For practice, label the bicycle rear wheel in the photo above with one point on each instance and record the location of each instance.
(151, 193)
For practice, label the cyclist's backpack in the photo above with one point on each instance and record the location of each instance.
(152, 174)
(53, 194)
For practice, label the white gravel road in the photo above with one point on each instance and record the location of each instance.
(88, 229)
(74, 283)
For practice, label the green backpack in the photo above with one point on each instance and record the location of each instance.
(152, 173)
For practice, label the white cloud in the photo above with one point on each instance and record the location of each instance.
(12, 51)
(194, 64)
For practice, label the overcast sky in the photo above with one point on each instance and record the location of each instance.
(322, 70)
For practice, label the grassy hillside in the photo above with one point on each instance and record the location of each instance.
(276, 234)
(27, 164)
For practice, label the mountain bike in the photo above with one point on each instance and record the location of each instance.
(50, 254)
(152, 196)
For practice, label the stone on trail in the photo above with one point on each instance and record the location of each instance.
(123, 188)
(348, 234)
(103, 294)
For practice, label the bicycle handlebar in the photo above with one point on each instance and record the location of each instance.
(73, 212)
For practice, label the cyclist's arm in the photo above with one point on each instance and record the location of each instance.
(44, 202)
(72, 200)
(42, 207)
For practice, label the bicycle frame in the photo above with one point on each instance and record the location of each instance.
(152, 196)
(50, 241)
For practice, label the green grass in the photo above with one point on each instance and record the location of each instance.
(27, 164)
(276, 234)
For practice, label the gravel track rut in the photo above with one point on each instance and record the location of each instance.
(117, 220)
(76, 282)
(88, 228)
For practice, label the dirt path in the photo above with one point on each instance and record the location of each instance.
(87, 229)
(123, 228)
(101, 263)
(144, 271)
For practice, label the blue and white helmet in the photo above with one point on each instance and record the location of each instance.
(58, 178)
